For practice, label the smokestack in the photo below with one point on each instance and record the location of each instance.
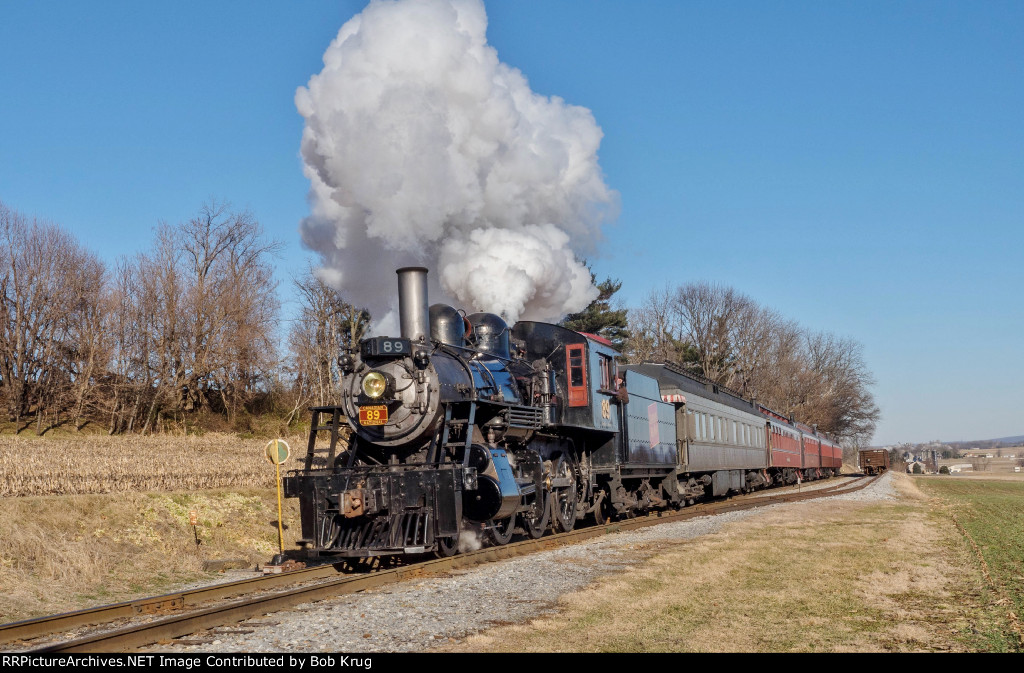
(413, 313)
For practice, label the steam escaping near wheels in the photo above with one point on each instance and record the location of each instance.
(469, 540)
(423, 148)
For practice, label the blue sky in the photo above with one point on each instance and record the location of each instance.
(857, 166)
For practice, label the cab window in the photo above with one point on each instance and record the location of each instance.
(605, 362)
(575, 356)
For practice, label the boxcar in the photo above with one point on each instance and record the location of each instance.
(874, 461)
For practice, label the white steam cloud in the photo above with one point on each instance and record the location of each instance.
(423, 148)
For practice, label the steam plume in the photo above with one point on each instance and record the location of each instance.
(423, 148)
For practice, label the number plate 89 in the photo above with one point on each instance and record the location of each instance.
(375, 415)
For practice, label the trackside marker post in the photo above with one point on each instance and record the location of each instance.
(277, 452)
(193, 520)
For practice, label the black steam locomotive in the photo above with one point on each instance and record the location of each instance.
(464, 430)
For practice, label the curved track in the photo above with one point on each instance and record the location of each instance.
(315, 583)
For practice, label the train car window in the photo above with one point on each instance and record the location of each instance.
(577, 380)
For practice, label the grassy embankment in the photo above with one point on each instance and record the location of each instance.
(834, 576)
(95, 520)
(990, 513)
(884, 576)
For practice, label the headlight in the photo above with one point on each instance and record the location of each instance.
(374, 384)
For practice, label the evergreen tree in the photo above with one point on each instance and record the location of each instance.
(599, 317)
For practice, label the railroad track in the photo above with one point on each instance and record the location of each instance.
(174, 615)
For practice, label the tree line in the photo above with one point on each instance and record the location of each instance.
(726, 337)
(182, 333)
(816, 378)
(188, 334)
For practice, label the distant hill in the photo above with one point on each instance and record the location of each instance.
(1001, 440)
(1019, 439)
(988, 443)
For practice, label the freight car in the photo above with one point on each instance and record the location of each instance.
(464, 430)
(874, 461)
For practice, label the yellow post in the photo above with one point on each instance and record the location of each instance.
(280, 525)
(277, 452)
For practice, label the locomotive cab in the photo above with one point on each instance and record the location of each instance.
(581, 369)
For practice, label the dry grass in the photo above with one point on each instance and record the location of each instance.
(60, 553)
(104, 519)
(102, 464)
(837, 576)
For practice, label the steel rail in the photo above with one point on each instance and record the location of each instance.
(41, 626)
(176, 626)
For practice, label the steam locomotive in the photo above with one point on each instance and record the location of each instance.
(464, 430)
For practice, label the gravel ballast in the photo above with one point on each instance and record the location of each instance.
(420, 614)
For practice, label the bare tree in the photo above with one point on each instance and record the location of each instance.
(129, 380)
(163, 305)
(89, 346)
(232, 306)
(841, 401)
(48, 288)
(706, 314)
(655, 334)
(195, 322)
(819, 379)
(326, 327)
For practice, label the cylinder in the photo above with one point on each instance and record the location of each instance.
(412, 303)
(497, 494)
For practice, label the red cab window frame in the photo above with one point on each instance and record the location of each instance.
(576, 374)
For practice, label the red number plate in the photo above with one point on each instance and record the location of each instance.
(376, 415)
